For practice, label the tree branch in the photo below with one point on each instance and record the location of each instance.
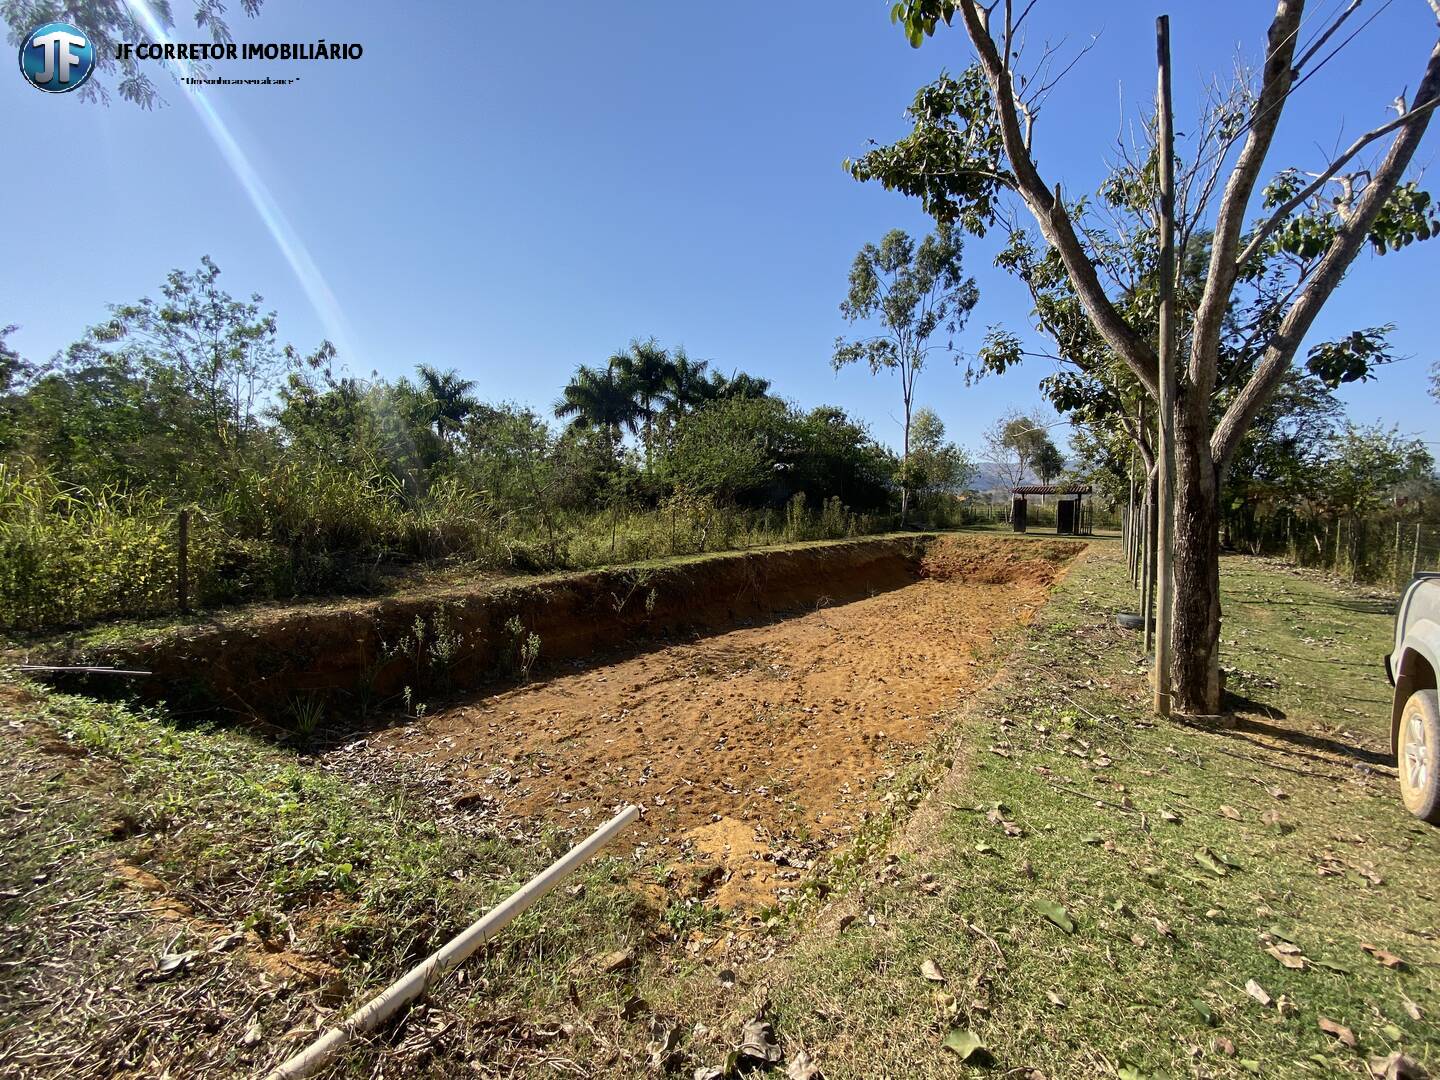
(1210, 315)
(1342, 251)
(1049, 210)
(1278, 218)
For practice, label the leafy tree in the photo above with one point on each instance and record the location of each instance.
(739, 385)
(450, 398)
(971, 150)
(909, 292)
(1366, 466)
(937, 467)
(646, 370)
(220, 353)
(729, 448)
(600, 399)
(109, 22)
(1014, 442)
(1049, 462)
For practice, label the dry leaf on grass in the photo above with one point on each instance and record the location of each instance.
(1256, 991)
(964, 1044)
(1389, 959)
(802, 1067)
(931, 971)
(1288, 955)
(1397, 1066)
(1340, 1031)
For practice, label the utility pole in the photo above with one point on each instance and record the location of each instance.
(1165, 582)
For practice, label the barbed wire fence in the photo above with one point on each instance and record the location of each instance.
(1383, 550)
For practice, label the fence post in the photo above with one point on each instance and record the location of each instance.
(182, 559)
(1415, 559)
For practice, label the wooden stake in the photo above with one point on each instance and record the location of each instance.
(1164, 574)
(182, 561)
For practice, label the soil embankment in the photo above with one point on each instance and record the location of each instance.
(753, 751)
(283, 666)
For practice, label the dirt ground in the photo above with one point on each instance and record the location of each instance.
(751, 751)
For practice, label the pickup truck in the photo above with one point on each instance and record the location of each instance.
(1415, 710)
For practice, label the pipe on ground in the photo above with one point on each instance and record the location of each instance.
(421, 978)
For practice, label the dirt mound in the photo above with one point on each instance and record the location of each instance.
(985, 560)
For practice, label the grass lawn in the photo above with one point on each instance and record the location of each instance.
(1097, 890)
(1085, 891)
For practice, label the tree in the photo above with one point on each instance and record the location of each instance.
(1014, 442)
(646, 370)
(1366, 466)
(910, 292)
(109, 23)
(1049, 462)
(972, 147)
(450, 397)
(600, 399)
(937, 467)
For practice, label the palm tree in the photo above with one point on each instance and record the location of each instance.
(648, 372)
(690, 383)
(450, 399)
(602, 399)
(741, 385)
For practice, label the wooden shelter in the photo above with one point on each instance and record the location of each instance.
(1071, 518)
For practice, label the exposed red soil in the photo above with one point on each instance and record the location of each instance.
(357, 655)
(755, 749)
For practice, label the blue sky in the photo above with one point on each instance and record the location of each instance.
(521, 194)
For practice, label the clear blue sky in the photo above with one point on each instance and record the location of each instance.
(558, 183)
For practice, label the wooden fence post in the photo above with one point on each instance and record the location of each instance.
(182, 568)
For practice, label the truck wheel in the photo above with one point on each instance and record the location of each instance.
(1419, 761)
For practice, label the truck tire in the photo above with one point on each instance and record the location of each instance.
(1419, 757)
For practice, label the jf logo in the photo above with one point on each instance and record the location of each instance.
(56, 57)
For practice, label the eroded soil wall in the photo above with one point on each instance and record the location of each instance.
(281, 666)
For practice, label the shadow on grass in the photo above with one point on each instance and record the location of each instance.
(1324, 749)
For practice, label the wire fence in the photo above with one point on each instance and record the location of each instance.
(1385, 550)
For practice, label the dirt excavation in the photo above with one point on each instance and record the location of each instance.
(752, 751)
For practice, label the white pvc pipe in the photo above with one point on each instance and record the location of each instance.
(420, 979)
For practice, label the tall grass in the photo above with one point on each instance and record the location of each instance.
(71, 555)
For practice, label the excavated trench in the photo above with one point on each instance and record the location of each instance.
(748, 702)
(753, 749)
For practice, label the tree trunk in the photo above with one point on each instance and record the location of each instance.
(1195, 673)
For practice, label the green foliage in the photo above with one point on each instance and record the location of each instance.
(70, 554)
(953, 160)
(301, 479)
(108, 24)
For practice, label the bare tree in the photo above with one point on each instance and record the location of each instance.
(1312, 224)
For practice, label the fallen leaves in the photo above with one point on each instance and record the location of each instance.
(1339, 1031)
(931, 971)
(1056, 913)
(1397, 1066)
(1256, 991)
(964, 1044)
(1289, 955)
(1208, 860)
(1388, 959)
(802, 1067)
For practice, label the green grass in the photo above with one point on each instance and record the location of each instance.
(1088, 779)
(247, 837)
(370, 877)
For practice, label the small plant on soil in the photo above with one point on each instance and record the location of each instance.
(445, 644)
(524, 648)
(307, 711)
